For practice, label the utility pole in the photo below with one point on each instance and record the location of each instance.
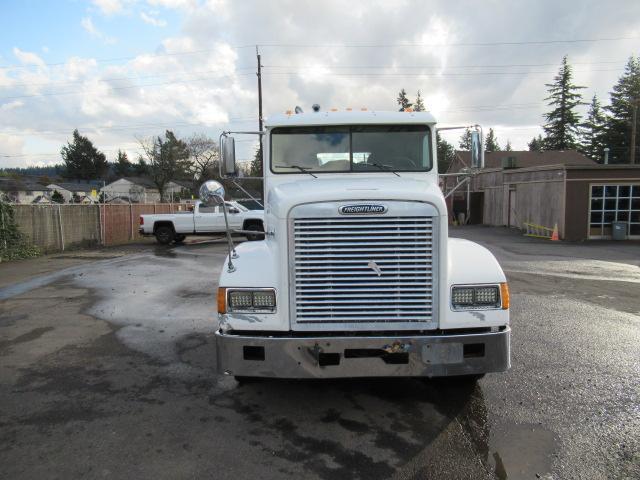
(634, 125)
(260, 102)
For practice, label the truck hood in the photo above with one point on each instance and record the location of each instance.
(283, 197)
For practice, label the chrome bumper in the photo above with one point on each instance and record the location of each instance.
(371, 356)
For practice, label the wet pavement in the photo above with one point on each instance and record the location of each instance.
(107, 367)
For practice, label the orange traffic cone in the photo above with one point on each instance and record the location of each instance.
(554, 235)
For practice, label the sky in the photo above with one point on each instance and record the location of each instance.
(122, 71)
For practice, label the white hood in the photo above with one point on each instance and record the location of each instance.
(283, 197)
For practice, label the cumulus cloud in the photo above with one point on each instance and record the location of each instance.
(109, 7)
(202, 79)
(152, 19)
(28, 58)
(89, 27)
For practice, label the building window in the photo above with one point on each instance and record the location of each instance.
(614, 203)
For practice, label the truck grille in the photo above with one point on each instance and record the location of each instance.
(364, 270)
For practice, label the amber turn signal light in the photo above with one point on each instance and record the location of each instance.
(222, 300)
(504, 294)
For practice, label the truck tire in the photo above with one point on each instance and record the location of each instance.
(256, 226)
(164, 234)
(179, 238)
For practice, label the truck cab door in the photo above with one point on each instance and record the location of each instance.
(209, 219)
(234, 215)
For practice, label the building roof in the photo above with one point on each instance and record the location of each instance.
(20, 184)
(525, 159)
(75, 186)
(142, 181)
(369, 117)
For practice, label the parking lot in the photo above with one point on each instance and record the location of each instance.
(107, 364)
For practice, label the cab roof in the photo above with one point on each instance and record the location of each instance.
(369, 117)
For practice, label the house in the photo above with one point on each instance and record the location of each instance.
(21, 190)
(563, 188)
(143, 190)
(133, 189)
(75, 192)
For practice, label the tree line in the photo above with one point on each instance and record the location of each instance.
(603, 127)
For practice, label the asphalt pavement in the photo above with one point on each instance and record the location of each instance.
(107, 370)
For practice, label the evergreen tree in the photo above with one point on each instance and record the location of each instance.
(617, 134)
(141, 169)
(465, 140)
(122, 167)
(562, 124)
(255, 169)
(536, 144)
(57, 197)
(491, 142)
(82, 160)
(592, 132)
(168, 160)
(419, 105)
(507, 147)
(445, 153)
(403, 100)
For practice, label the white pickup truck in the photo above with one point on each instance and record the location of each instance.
(202, 220)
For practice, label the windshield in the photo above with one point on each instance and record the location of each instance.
(400, 148)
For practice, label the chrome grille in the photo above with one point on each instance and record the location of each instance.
(335, 280)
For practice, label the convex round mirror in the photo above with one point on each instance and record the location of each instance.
(212, 193)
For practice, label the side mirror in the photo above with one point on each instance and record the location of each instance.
(234, 210)
(211, 193)
(477, 152)
(229, 156)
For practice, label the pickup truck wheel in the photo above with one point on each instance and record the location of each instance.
(257, 227)
(164, 234)
(179, 238)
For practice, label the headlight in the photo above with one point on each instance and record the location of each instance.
(262, 300)
(469, 297)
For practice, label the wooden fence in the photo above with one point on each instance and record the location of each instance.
(55, 228)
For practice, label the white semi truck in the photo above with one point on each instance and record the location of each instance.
(357, 276)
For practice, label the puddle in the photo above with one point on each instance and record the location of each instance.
(521, 451)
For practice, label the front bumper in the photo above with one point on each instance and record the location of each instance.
(370, 356)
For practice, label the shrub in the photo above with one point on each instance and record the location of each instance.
(13, 244)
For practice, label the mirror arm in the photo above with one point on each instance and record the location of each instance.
(231, 247)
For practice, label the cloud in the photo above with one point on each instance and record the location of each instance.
(152, 20)
(88, 25)
(202, 79)
(109, 7)
(28, 58)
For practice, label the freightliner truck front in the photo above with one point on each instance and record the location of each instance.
(356, 275)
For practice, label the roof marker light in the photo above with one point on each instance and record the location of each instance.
(288, 112)
(408, 109)
(334, 109)
(363, 109)
(349, 109)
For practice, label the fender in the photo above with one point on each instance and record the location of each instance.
(256, 266)
(471, 263)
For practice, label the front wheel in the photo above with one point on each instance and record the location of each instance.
(164, 235)
(257, 227)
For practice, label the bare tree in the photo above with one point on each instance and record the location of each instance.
(204, 155)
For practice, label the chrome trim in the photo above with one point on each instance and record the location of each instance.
(329, 253)
(428, 355)
(251, 310)
(471, 309)
(362, 209)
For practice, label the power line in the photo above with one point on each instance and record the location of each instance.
(128, 87)
(388, 67)
(460, 44)
(340, 45)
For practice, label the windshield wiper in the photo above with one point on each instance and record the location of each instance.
(386, 168)
(298, 167)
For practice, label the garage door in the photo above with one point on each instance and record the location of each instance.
(614, 203)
